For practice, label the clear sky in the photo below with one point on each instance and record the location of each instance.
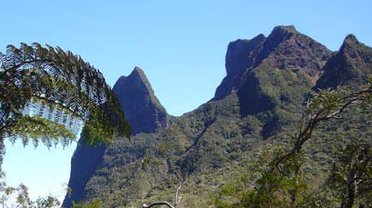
(181, 46)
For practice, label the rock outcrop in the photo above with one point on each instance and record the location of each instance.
(348, 66)
(284, 48)
(141, 107)
(144, 113)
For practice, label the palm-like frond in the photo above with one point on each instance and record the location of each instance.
(62, 88)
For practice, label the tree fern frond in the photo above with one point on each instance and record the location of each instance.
(61, 88)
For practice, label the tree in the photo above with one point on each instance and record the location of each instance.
(49, 95)
(282, 182)
(19, 197)
(351, 175)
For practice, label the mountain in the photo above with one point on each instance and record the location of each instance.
(272, 75)
(84, 163)
(348, 66)
(267, 80)
(284, 48)
(144, 111)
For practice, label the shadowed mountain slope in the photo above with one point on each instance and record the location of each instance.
(144, 113)
(143, 110)
(348, 66)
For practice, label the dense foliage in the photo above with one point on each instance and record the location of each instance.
(284, 181)
(48, 95)
(66, 92)
(60, 80)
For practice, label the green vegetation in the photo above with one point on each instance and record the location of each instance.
(93, 204)
(48, 95)
(62, 82)
(19, 197)
(274, 136)
(284, 181)
(65, 91)
(271, 139)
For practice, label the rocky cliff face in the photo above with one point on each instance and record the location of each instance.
(144, 113)
(264, 89)
(241, 56)
(348, 66)
(142, 109)
(284, 48)
(84, 163)
(272, 75)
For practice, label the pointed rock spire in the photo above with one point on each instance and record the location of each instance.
(142, 108)
(351, 38)
(350, 45)
(348, 66)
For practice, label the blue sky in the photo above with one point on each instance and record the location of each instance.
(180, 45)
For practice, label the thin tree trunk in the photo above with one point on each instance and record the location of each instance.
(351, 193)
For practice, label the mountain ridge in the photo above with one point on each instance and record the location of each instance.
(283, 40)
(263, 91)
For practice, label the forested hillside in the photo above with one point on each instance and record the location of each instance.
(219, 154)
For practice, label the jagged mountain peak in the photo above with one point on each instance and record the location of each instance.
(142, 108)
(348, 66)
(284, 48)
(137, 71)
(283, 31)
(287, 28)
(351, 38)
(139, 82)
(350, 43)
(139, 74)
(354, 49)
(239, 54)
(278, 35)
(243, 54)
